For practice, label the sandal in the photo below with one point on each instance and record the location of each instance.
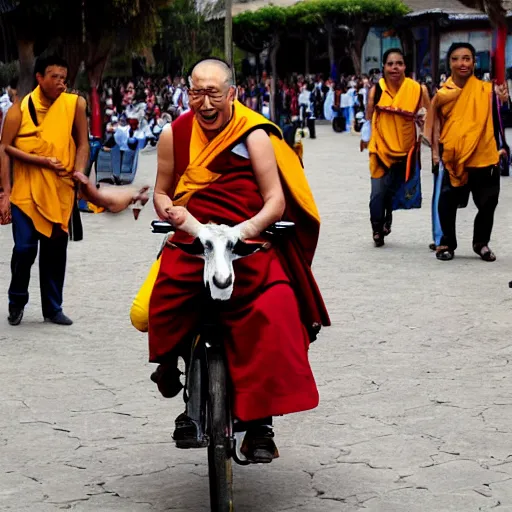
(443, 253)
(378, 239)
(432, 246)
(484, 252)
(387, 229)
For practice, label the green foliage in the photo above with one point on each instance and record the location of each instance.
(8, 72)
(187, 35)
(136, 21)
(254, 30)
(367, 11)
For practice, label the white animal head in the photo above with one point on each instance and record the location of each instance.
(219, 246)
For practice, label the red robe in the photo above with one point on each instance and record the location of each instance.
(267, 341)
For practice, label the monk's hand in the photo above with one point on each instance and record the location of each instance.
(139, 200)
(5, 208)
(54, 164)
(178, 216)
(248, 230)
(421, 117)
(141, 196)
(502, 92)
(163, 205)
(182, 219)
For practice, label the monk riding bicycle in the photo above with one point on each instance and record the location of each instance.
(222, 164)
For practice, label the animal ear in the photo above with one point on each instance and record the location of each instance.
(196, 248)
(242, 249)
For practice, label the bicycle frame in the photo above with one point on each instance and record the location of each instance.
(208, 341)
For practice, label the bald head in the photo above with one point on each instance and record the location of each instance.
(212, 70)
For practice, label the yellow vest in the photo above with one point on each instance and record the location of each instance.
(46, 197)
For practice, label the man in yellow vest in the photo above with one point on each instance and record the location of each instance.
(46, 135)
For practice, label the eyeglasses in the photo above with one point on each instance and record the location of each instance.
(198, 95)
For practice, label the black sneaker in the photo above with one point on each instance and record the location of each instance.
(258, 446)
(15, 315)
(60, 319)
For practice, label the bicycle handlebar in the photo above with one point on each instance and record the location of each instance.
(279, 228)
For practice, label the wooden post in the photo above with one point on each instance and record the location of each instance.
(228, 33)
(273, 78)
(434, 51)
(26, 59)
(306, 56)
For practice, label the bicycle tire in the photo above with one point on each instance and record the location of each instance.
(220, 470)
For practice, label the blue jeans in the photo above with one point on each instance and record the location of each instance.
(381, 198)
(52, 264)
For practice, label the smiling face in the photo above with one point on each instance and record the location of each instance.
(394, 67)
(211, 97)
(462, 63)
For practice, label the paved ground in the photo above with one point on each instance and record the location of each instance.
(414, 375)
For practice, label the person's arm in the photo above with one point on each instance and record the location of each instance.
(113, 199)
(165, 174)
(31, 159)
(81, 136)
(10, 130)
(425, 98)
(370, 105)
(424, 107)
(432, 131)
(265, 170)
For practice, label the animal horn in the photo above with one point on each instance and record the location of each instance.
(191, 225)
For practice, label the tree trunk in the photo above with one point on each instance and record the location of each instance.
(228, 33)
(96, 61)
(330, 48)
(360, 32)
(434, 51)
(306, 56)
(273, 78)
(258, 66)
(73, 52)
(27, 59)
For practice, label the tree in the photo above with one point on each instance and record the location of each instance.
(188, 34)
(84, 30)
(260, 30)
(353, 17)
(498, 17)
(493, 8)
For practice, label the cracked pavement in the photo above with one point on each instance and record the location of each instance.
(414, 375)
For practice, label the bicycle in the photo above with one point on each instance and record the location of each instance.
(208, 396)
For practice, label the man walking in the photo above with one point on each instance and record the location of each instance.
(395, 105)
(48, 132)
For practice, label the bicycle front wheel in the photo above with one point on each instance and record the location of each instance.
(220, 470)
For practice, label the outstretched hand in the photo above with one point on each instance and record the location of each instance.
(80, 177)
